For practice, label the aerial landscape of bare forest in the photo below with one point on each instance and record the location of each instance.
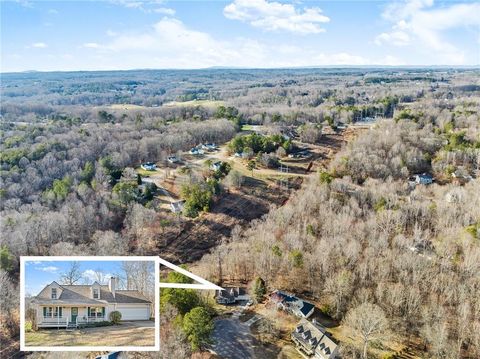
(240, 179)
(344, 186)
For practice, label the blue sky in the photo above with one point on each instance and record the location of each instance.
(128, 34)
(40, 273)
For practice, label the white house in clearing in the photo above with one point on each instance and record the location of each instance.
(72, 305)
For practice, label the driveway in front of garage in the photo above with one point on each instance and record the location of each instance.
(232, 339)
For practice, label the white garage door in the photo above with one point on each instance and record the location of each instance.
(134, 313)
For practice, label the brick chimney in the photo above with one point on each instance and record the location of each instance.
(112, 285)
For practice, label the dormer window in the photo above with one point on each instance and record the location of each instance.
(96, 294)
(54, 293)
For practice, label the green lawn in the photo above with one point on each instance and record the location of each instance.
(144, 173)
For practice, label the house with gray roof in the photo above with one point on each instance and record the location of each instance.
(312, 340)
(231, 295)
(73, 305)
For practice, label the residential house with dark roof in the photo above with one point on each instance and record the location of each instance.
(70, 305)
(209, 147)
(421, 178)
(231, 295)
(149, 166)
(312, 340)
(291, 304)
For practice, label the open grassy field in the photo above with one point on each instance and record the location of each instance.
(145, 173)
(204, 103)
(126, 106)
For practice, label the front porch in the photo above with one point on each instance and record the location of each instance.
(69, 317)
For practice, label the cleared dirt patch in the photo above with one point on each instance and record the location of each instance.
(234, 208)
(190, 239)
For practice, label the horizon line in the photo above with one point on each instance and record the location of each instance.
(477, 66)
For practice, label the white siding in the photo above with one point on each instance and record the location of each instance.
(134, 311)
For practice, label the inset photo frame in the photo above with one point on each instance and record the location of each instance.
(89, 303)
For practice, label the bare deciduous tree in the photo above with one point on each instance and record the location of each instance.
(72, 275)
(369, 322)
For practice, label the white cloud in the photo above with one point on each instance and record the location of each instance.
(25, 3)
(49, 269)
(39, 45)
(273, 16)
(170, 41)
(145, 6)
(397, 38)
(417, 23)
(91, 276)
(164, 10)
(91, 45)
(128, 3)
(171, 44)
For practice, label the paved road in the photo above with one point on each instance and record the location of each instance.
(232, 339)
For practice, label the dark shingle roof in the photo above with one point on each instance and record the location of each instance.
(81, 294)
(130, 296)
(294, 303)
(230, 292)
(307, 307)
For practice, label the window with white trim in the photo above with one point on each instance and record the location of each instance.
(54, 293)
(48, 312)
(96, 294)
(52, 312)
(96, 312)
(58, 312)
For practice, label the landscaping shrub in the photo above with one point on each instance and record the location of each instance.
(102, 324)
(115, 317)
(28, 326)
(97, 324)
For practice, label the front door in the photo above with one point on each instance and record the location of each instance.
(74, 314)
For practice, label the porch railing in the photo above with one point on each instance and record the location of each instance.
(90, 319)
(54, 322)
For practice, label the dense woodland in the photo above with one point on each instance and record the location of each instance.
(345, 238)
